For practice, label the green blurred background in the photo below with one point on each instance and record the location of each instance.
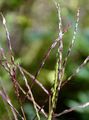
(33, 25)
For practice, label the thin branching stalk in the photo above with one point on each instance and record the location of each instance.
(7, 99)
(3, 91)
(30, 92)
(3, 95)
(29, 98)
(41, 65)
(6, 65)
(7, 33)
(7, 68)
(53, 45)
(71, 45)
(8, 38)
(60, 49)
(2, 53)
(58, 71)
(15, 83)
(52, 101)
(72, 42)
(76, 71)
(41, 109)
(36, 81)
(73, 109)
(11, 69)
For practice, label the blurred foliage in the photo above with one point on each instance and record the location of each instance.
(33, 25)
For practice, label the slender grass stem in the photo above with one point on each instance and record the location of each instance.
(30, 92)
(76, 71)
(72, 109)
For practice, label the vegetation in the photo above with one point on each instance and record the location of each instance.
(49, 89)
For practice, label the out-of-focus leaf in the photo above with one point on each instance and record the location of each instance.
(14, 3)
(23, 21)
(46, 77)
(83, 98)
(82, 44)
(83, 74)
(29, 111)
(29, 53)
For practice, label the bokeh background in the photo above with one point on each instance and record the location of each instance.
(33, 25)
